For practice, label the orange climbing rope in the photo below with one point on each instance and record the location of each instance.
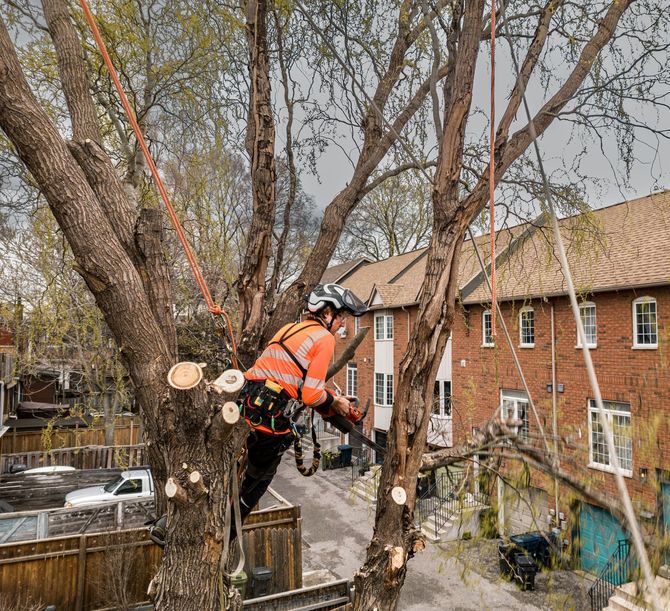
(492, 184)
(215, 309)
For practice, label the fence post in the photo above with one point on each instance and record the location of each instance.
(81, 574)
(43, 525)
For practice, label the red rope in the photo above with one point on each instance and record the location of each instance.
(215, 309)
(492, 185)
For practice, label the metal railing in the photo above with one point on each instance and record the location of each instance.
(445, 496)
(617, 571)
(361, 460)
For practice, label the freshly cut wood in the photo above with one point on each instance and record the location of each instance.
(230, 412)
(230, 381)
(399, 495)
(175, 492)
(184, 375)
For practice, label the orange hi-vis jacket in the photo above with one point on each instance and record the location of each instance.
(313, 346)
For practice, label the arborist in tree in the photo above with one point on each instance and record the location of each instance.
(292, 371)
(289, 375)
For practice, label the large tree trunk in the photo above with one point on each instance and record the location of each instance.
(395, 538)
(183, 429)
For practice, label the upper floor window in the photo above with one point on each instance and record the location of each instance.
(352, 380)
(384, 389)
(587, 312)
(618, 417)
(357, 324)
(383, 326)
(645, 333)
(487, 329)
(527, 327)
(515, 407)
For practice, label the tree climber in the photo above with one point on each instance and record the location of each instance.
(292, 368)
(290, 372)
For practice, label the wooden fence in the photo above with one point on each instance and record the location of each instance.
(86, 457)
(80, 572)
(126, 433)
(113, 569)
(35, 525)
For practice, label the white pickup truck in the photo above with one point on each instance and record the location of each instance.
(128, 485)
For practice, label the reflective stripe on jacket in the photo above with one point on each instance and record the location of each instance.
(313, 346)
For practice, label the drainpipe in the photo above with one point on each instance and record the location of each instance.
(554, 411)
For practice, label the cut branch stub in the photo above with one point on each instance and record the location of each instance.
(174, 491)
(230, 381)
(196, 483)
(230, 412)
(184, 375)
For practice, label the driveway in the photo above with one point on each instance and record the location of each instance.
(460, 576)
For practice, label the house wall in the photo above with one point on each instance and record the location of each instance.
(638, 377)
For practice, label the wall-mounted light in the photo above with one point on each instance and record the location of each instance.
(644, 473)
(549, 387)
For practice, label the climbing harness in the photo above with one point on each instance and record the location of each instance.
(224, 326)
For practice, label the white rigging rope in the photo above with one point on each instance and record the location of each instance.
(593, 380)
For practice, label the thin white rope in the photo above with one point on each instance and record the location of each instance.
(593, 380)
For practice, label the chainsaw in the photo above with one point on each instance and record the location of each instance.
(347, 424)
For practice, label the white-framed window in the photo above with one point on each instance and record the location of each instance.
(618, 416)
(515, 407)
(487, 328)
(527, 327)
(384, 389)
(357, 324)
(645, 331)
(587, 312)
(442, 398)
(383, 326)
(352, 380)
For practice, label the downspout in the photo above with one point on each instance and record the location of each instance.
(554, 411)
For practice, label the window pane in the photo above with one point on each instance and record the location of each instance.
(618, 416)
(379, 327)
(447, 398)
(352, 380)
(357, 324)
(389, 327)
(488, 337)
(379, 388)
(528, 327)
(389, 389)
(645, 314)
(588, 316)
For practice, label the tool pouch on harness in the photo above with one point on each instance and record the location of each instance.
(263, 406)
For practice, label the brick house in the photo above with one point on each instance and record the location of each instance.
(620, 261)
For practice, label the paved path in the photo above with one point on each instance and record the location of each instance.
(337, 527)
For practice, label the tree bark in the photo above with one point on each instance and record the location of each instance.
(261, 147)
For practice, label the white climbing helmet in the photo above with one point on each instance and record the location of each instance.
(337, 296)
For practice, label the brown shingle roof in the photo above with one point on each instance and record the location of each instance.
(337, 272)
(626, 245)
(363, 279)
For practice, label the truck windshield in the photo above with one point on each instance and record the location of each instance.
(113, 484)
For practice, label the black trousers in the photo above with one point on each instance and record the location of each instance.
(264, 453)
